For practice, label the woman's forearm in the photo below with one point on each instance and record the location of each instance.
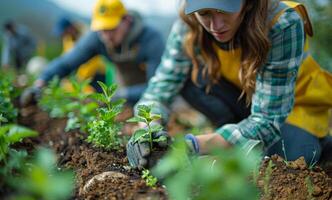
(208, 142)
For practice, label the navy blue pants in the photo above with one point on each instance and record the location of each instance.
(221, 106)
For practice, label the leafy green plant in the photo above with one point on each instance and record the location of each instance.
(81, 110)
(310, 187)
(7, 109)
(104, 130)
(74, 104)
(11, 159)
(145, 115)
(150, 180)
(10, 134)
(267, 178)
(220, 175)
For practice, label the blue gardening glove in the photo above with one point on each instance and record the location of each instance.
(192, 143)
(138, 153)
(30, 95)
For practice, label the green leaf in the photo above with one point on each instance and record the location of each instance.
(160, 139)
(17, 133)
(139, 134)
(4, 130)
(72, 106)
(155, 116)
(156, 128)
(112, 90)
(89, 107)
(137, 119)
(144, 111)
(118, 102)
(103, 87)
(99, 97)
(72, 123)
(2, 118)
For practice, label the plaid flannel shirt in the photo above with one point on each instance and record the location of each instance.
(273, 98)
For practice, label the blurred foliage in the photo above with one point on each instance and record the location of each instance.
(50, 50)
(81, 111)
(7, 94)
(225, 174)
(74, 104)
(53, 99)
(41, 179)
(321, 15)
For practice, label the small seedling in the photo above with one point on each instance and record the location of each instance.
(313, 162)
(310, 187)
(267, 178)
(150, 180)
(284, 151)
(103, 131)
(146, 116)
(80, 111)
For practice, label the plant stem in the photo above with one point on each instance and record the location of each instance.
(150, 135)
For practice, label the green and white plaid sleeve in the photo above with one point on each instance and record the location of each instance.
(170, 75)
(275, 85)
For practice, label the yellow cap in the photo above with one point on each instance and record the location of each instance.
(107, 14)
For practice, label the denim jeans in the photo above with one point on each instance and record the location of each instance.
(222, 106)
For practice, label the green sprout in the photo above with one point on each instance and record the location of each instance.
(150, 180)
(146, 116)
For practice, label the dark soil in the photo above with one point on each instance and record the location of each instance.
(285, 180)
(87, 161)
(293, 180)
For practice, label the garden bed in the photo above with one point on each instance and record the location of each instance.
(87, 161)
(277, 179)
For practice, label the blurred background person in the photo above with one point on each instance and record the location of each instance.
(19, 45)
(123, 38)
(70, 32)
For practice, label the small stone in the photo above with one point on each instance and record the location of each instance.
(105, 176)
(301, 163)
(316, 191)
(280, 159)
(126, 167)
(293, 165)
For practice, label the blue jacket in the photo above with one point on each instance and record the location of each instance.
(136, 59)
(19, 48)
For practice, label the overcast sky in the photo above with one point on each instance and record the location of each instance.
(163, 7)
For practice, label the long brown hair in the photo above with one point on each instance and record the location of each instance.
(252, 37)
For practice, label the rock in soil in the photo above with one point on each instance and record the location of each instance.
(105, 176)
